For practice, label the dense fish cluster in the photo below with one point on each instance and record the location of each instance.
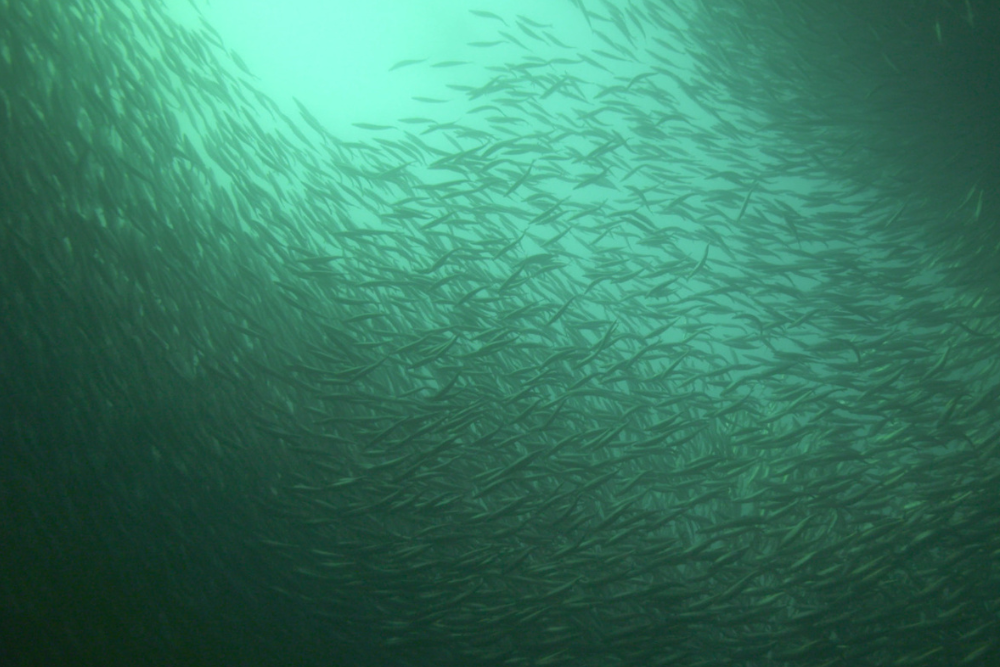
(655, 354)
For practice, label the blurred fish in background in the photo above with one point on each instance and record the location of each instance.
(627, 333)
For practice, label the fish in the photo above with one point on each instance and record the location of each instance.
(520, 181)
(746, 201)
(482, 13)
(700, 264)
(406, 63)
